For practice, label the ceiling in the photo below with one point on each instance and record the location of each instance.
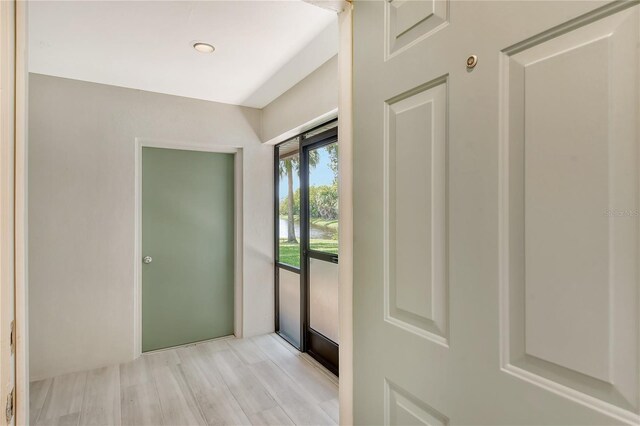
(262, 47)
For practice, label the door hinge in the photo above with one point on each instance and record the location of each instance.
(10, 405)
(12, 338)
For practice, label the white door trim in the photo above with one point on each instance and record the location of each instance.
(21, 225)
(238, 240)
(13, 143)
(345, 190)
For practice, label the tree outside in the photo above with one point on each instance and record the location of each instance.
(288, 167)
(323, 203)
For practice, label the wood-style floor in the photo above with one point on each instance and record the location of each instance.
(260, 381)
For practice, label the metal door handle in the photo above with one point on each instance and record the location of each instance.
(147, 259)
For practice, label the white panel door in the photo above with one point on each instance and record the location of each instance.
(496, 212)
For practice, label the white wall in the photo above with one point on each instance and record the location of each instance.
(309, 103)
(81, 213)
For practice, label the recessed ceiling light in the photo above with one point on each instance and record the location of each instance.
(203, 47)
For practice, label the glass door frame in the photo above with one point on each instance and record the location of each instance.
(318, 346)
(277, 264)
(321, 348)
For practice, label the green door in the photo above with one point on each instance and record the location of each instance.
(187, 246)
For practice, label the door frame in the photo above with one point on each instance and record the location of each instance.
(238, 232)
(345, 216)
(318, 346)
(14, 368)
(302, 142)
(276, 251)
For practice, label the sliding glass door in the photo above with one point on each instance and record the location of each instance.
(289, 302)
(306, 243)
(320, 246)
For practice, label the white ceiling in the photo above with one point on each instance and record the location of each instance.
(262, 47)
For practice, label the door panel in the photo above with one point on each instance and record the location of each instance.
(496, 213)
(320, 242)
(572, 208)
(403, 408)
(290, 303)
(408, 22)
(188, 230)
(416, 285)
(323, 298)
(289, 315)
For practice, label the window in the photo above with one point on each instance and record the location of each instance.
(323, 198)
(288, 200)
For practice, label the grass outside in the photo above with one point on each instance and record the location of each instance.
(290, 252)
(326, 223)
(331, 224)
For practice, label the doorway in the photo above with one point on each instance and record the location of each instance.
(187, 258)
(306, 243)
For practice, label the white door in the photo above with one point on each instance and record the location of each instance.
(496, 259)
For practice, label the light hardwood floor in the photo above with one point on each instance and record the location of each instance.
(260, 381)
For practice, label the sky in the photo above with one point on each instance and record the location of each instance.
(319, 175)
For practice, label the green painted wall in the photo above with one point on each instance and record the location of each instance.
(188, 230)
